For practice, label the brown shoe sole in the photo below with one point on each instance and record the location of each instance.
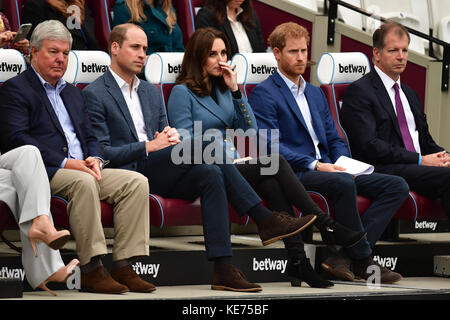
(272, 240)
(214, 287)
(113, 292)
(338, 274)
(382, 282)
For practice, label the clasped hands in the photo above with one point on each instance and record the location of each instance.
(438, 159)
(168, 137)
(90, 165)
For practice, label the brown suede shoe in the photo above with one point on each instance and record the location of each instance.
(129, 278)
(338, 265)
(281, 225)
(99, 281)
(386, 276)
(228, 277)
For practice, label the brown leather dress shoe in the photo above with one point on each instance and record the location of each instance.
(281, 225)
(362, 271)
(129, 278)
(99, 281)
(228, 277)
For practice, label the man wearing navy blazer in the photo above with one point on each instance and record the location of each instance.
(386, 125)
(39, 108)
(310, 143)
(128, 117)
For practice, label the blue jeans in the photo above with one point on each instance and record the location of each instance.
(387, 193)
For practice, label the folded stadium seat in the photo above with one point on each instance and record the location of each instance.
(405, 12)
(13, 11)
(334, 81)
(102, 12)
(186, 11)
(84, 66)
(253, 68)
(440, 16)
(350, 17)
(308, 4)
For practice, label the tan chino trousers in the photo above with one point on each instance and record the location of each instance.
(126, 190)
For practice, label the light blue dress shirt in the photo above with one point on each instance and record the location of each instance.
(74, 146)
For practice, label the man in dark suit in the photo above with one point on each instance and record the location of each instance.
(386, 125)
(39, 108)
(128, 117)
(310, 143)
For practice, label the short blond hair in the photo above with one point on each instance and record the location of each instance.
(277, 39)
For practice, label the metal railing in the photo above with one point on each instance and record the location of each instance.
(332, 16)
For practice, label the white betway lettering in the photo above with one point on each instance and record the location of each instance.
(269, 264)
(173, 69)
(145, 268)
(263, 69)
(351, 68)
(6, 272)
(93, 67)
(10, 67)
(387, 262)
(425, 225)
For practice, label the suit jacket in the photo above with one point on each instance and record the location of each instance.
(369, 119)
(37, 11)
(112, 123)
(205, 19)
(27, 117)
(185, 107)
(276, 108)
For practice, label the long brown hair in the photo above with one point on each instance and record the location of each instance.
(193, 72)
(62, 5)
(219, 10)
(136, 8)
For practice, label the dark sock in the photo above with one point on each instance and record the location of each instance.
(223, 260)
(92, 265)
(259, 213)
(119, 264)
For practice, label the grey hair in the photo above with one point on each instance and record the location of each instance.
(49, 29)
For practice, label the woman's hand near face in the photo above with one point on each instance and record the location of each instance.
(229, 76)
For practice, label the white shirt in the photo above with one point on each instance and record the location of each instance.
(133, 104)
(240, 34)
(300, 98)
(389, 84)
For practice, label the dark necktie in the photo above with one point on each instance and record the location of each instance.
(407, 140)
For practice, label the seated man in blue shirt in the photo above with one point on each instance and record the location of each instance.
(39, 108)
(310, 143)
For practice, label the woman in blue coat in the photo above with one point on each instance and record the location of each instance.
(207, 101)
(157, 18)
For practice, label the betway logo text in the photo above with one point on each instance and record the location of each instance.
(425, 225)
(145, 268)
(263, 69)
(387, 262)
(269, 265)
(351, 68)
(6, 272)
(93, 67)
(173, 69)
(10, 67)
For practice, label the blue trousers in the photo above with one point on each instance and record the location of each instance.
(216, 185)
(387, 193)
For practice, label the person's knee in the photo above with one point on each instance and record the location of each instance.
(138, 182)
(344, 183)
(85, 182)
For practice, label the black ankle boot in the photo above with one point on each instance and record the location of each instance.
(299, 270)
(334, 233)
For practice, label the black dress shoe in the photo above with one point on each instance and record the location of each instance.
(334, 233)
(299, 270)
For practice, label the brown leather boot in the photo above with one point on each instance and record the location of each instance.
(362, 271)
(129, 278)
(99, 281)
(281, 225)
(339, 266)
(228, 277)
